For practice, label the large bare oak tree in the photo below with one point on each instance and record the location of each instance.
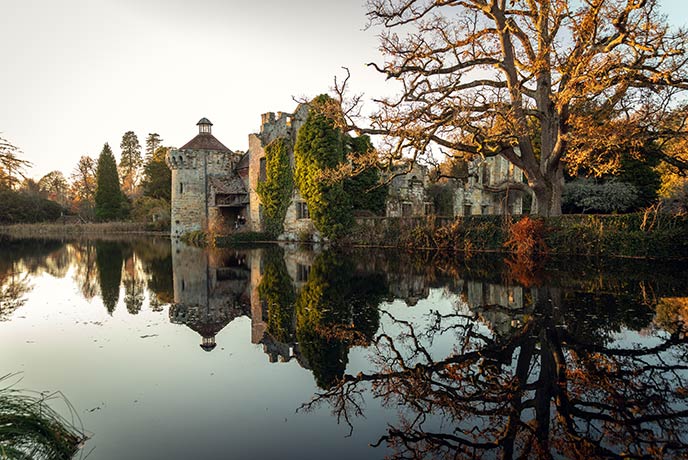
(541, 82)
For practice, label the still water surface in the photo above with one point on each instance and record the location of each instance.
(171, 352)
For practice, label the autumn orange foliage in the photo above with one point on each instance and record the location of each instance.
(527, 239)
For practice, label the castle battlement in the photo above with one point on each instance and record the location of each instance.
(182, 159)
(274, 126)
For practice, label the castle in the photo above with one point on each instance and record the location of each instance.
(214, 188)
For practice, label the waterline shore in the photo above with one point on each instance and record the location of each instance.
(64, 230)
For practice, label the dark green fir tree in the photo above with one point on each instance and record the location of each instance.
(110, 201)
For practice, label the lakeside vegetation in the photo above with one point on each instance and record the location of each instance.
(645, 235)
(61, 230)
(31, 429)
(136, 190)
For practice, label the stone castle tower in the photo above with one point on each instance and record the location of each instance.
(206, 192)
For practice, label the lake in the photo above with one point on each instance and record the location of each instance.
(165, 351)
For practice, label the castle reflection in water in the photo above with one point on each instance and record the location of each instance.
(214, 287)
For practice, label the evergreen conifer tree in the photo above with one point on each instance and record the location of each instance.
(130, 162)
(109, 197)
(153, 142)
(157, 177)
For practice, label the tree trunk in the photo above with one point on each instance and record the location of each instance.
(547, 194)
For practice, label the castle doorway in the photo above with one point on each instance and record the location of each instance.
(229, 219)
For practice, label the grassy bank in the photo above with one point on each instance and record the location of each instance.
(651, 235)
(60, 230)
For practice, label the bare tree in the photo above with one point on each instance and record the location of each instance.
(541, 82)
(54, 186)
(549, 389)
(11, 166)
(84, 185)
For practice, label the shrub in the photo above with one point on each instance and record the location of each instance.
(676, 197)
(364, 188)
(21, 207)
(196, 238)
(527, 238)
(150, 210)
(586, 195)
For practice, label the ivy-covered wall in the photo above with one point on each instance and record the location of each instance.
(319, 147)
(276, 190)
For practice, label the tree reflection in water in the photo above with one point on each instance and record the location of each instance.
(19, 260)
(335, 309)
(555, 386)
(109, 260)
(550, 371)
(13, 289)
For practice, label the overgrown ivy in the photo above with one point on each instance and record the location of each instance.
(319, 147)
(276, 191)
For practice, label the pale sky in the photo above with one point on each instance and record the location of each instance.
(79, 73)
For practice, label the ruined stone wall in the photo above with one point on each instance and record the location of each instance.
(274, 126)
(491, 171)
(220, 163)
(256, 152)
(189, 186)
(296, 228)
(407, 196)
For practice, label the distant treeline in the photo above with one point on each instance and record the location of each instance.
(138, 189)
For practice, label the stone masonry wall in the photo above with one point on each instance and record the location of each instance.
(274, 126)
(188, 200)
(482, 202)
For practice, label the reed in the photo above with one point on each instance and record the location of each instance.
(31, 429)
(43, 230)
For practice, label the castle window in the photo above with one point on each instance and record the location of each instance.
(406, 210)
(428, 209)
(302, 272)
(302, 210)
(467, 209)
(181, 188)
(263, 173)
(486, 175)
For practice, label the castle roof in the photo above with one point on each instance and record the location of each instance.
(229, 185)
(243, 162)
(205, 141)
